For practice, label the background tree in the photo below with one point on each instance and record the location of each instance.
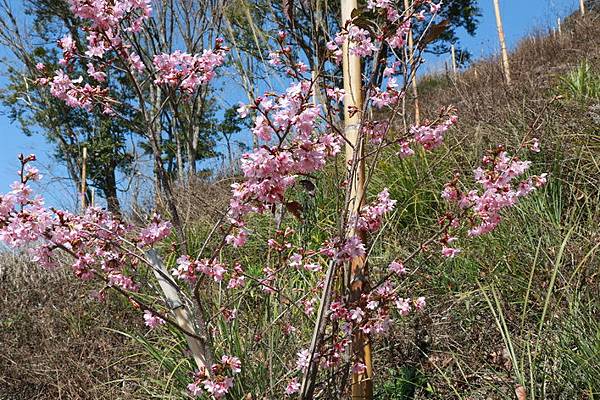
(68, 129)
(184, 131)
(254, 26)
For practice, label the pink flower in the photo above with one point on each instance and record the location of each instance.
(152, 320)
(361, 46)
(218, 388)
(32, 173)
(397, 268)
(292, 387)
(186, 269)
(238, 240)
(312, 267)
(371, 216)
(359, 368)
(243, 110)
(97, 75)
(194, 389)
(295, 260)
(303, 359)
(357, 314)
(431, 136)
(233, 363)
(449, 252)
(420, 303)
(309, 306)
(353, 247)
(42, 255)
(535, 145)
(336, 94)
(405, 150)
(237, 279)
(403, 306)
(155, 232)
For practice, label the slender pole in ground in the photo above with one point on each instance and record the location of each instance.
(582, 7)
(558, 26)
(83, 177)
(502, 41)
(453, 59)
(362, 383)
(415, 92)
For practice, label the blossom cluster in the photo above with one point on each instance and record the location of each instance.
(188, 269)
(499, 189)
(109, 23)
(93, 239)
(105, 15)
(219, 380)
(364, 43)
(186, 71)
(269, 171)
(371, 216)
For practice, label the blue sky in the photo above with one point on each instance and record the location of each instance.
(520, 18)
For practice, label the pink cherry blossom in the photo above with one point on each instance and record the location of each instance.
(152, 320)
(397, 268)
(420, 303)
(155, 232)
(450, 252)
(233, 363)
(292, 387)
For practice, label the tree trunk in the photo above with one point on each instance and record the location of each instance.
(154, 137)
(110, 193)
(179, 156)
(362, 383)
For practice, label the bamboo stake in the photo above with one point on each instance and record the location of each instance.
(558, 25)
(362, 383)
(582, 7)
(93, 202)
(182, 316)
(83, 177)
(502, 41)
(453, 59)
(415, 91)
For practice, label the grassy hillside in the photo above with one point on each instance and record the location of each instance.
(518, 310)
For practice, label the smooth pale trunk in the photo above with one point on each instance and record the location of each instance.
(362, 384)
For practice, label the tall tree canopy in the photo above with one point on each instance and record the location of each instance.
(186, 131)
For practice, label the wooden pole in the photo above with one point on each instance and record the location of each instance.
(582, 7)
(559, 27)
(453, 59)
(83, 177)
(415, 91)
(502, 41)
(362, 383)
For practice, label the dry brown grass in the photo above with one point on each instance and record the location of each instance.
(52, 337)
